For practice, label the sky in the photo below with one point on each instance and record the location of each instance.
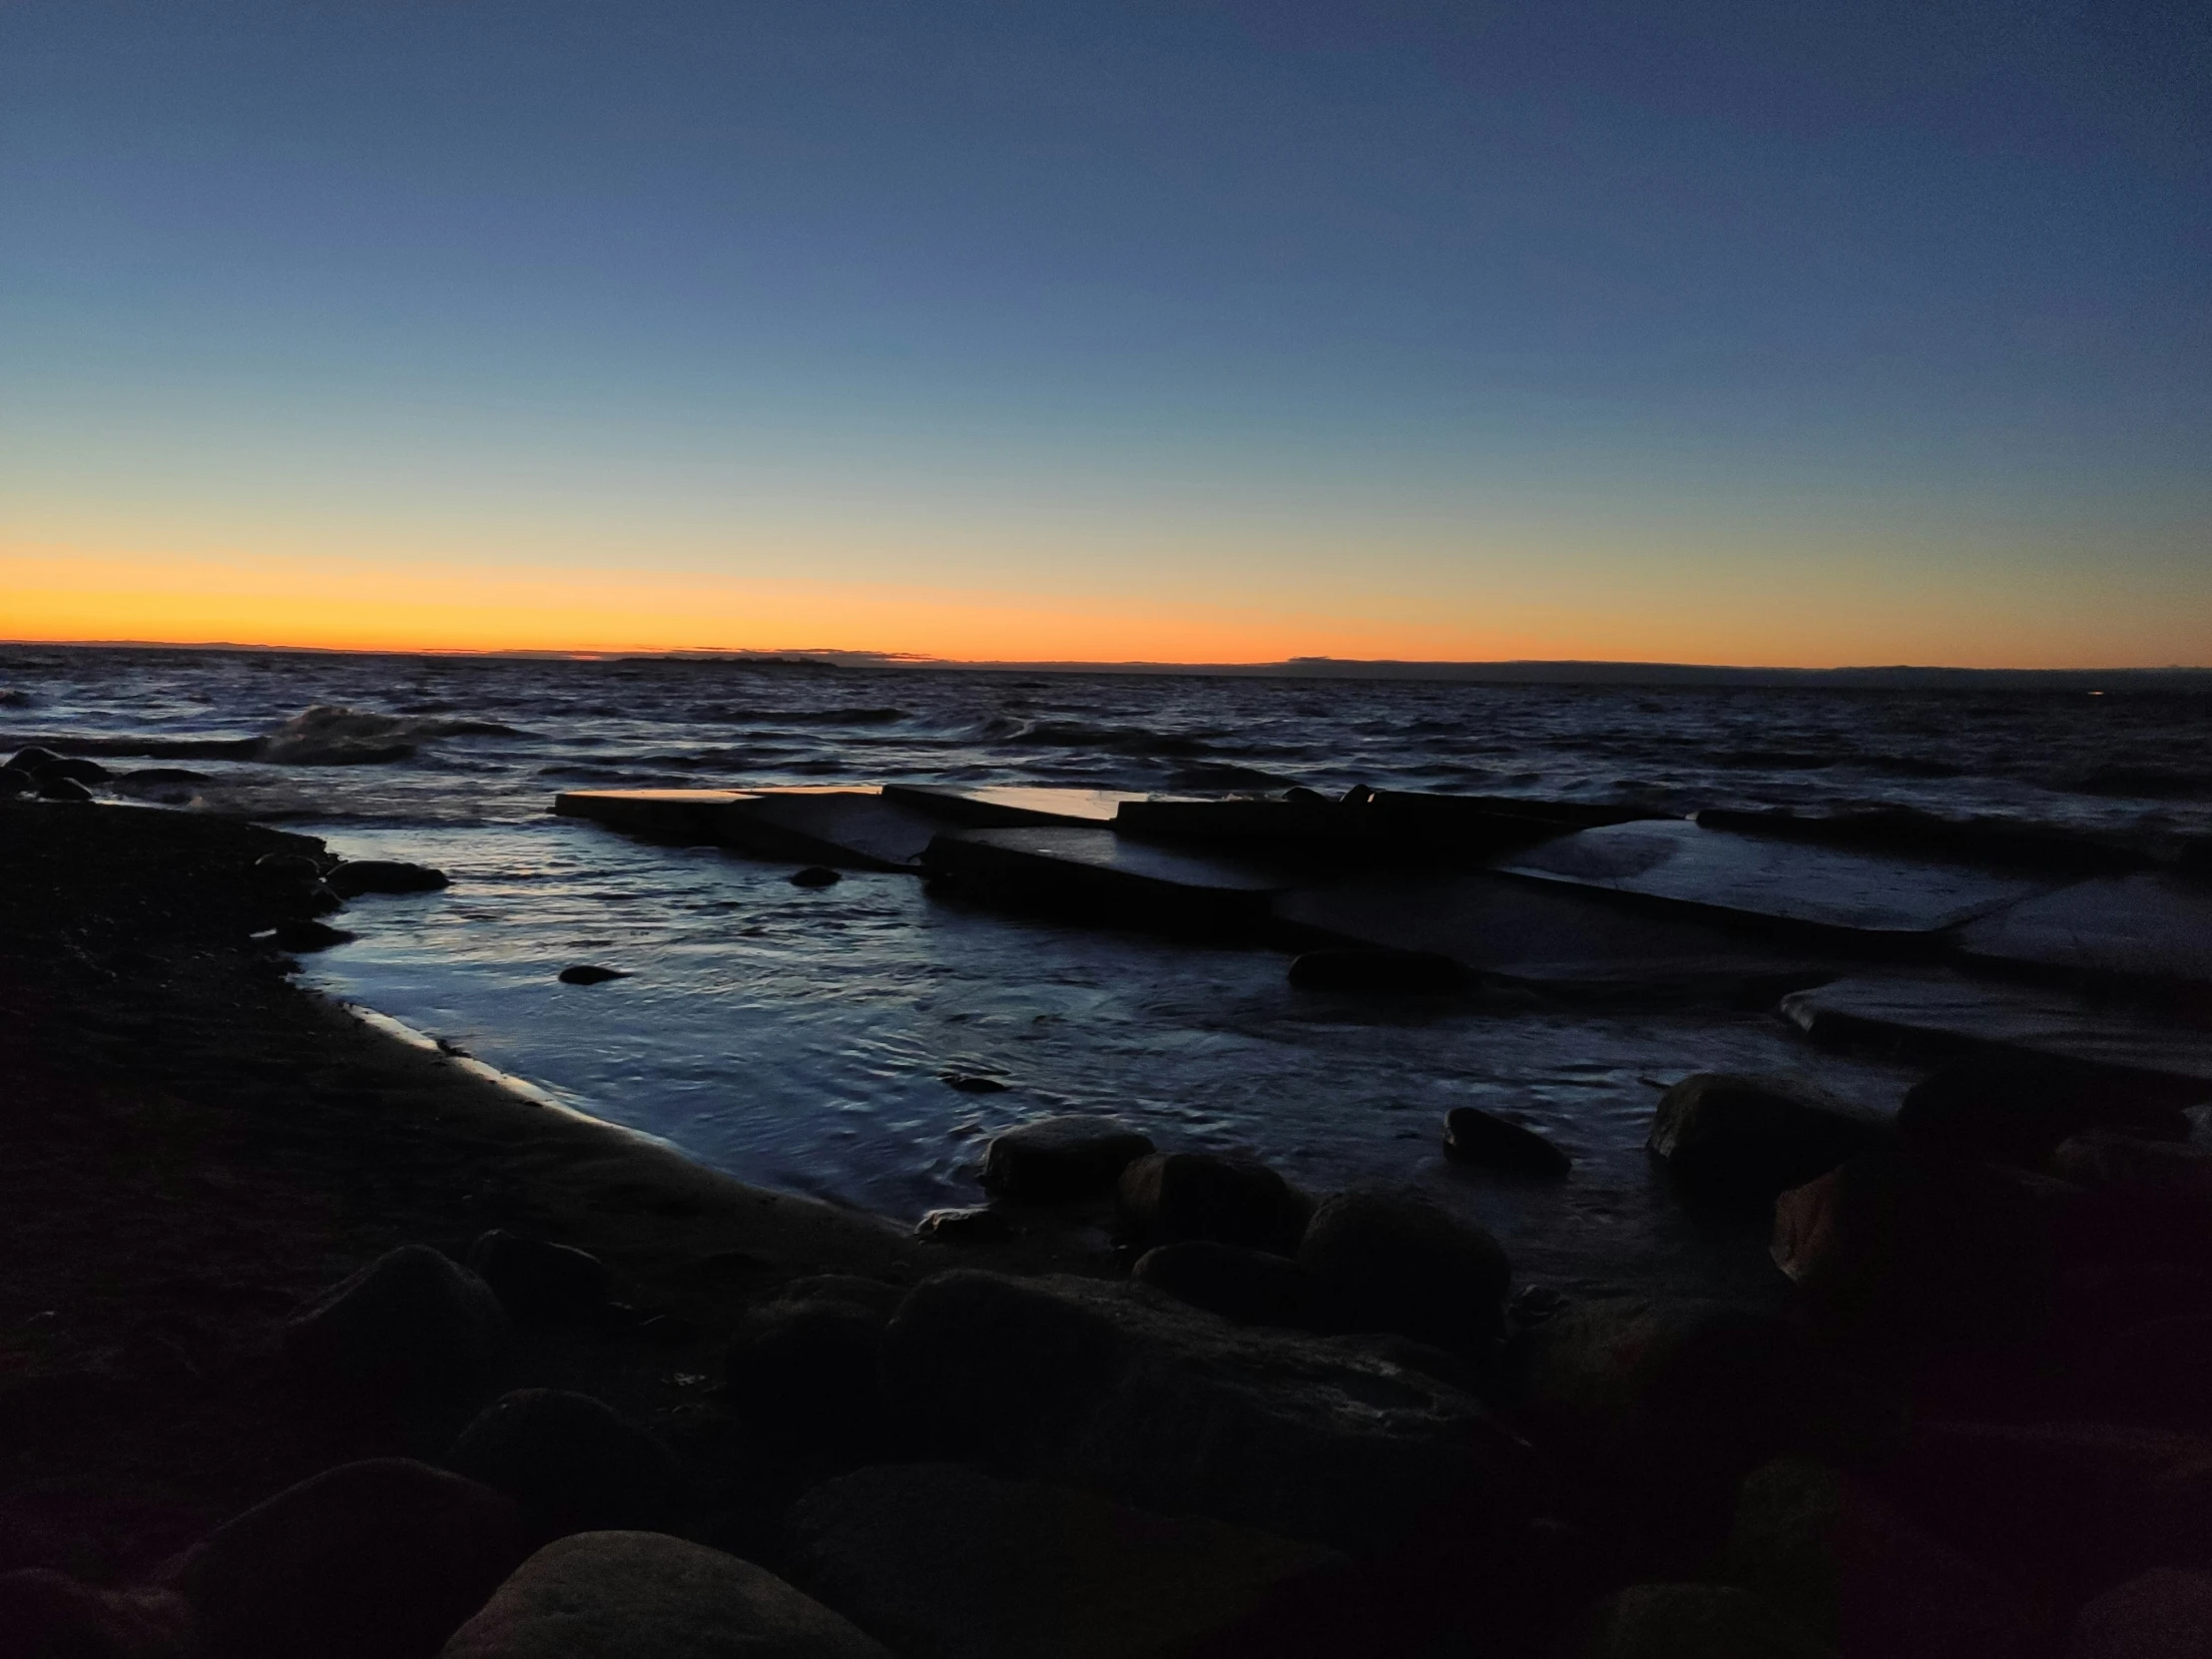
(1733, 333)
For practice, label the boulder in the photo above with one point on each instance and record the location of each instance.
(1741, 1140)
(1377, 972)
(943, 1561)
(1390, 1263)
(573, 1464)
(411, 1322)
(52, 786)
(1129, 1394)
(75, 768)
(1676, 1399)
(2015, 1110)
(1167, 1198)
(1925, 1245)
(374, 1560)
(14, 781)
(46, 1614)
(1049, 1160)
(1252, 1287)
(2162, 1615)
(353, 878)
(1690, 1621)
(808, 1362)
(1850, 1568)
(540, 1282)
(32, 758)
(644, 1595)
(1474, 1136)
(815, 876)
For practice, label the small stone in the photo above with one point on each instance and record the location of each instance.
(590, 973)
(1252, 1287)
(1377, 972)
(1167, 1198)
(537, 1281)
(411, 1322)
(383, 876)
(1474, 1136)
(975, 1225)
(1742, 1140)
(1049, 1160)
(374, 1560)
(816, 875)
(644, 1595)
(1390, 1263)
(572, 1463)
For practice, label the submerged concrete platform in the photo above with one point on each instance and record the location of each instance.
(688, 818)
(1676, 863)
(1939, 1010)
(1111, 879)
(2152, 926)
(1551, 938)
(1002, 807)
(851, 828)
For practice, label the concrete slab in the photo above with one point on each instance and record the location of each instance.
(992, 807)
(1552, 937)
(2149, 926)
(1840, 890)
(851, 828)
(1937, 1011)
(687, 818)
(1112, 879)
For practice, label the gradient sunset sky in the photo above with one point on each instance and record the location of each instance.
(1724, 333)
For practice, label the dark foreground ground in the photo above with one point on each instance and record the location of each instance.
(1986, 1429)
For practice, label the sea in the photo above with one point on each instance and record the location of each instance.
(862, 1042)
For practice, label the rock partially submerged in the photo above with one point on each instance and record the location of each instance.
(941, 1561)
(645, 1595)
(1474, 1136)
(589, 973)
(383, 876)
(1049, 1160)
(1165, 1409)
(1742, 1140)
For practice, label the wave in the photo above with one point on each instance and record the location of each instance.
(1112, 740)
(2145, 783)
(329, 735)
(883, 716)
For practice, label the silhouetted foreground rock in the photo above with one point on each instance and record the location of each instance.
(1252, 1287)
(1690, 1621)
(573, 1464)
(1740, 1140)
(941, 1561)
(1474, 1136)
(1155, 1405)
(1388, 1263)
(46, 1614)
(1167, 1198)
(411, 1322)
(539, 1282)
(1051, 1159)
(808, 1361)
(374, 1560)
(2015, 1111)
(644, 1595)
(2162, 1615)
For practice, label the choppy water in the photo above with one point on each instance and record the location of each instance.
(800, 1038)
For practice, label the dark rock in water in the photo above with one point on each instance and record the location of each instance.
(1377, 973)
(75, 768)
(32, 758)
(1252, 1287)
(1390, 1263)
(816, 875)
(16, 781)
(970, 1083)
(941, 1561)
(1739, 1140)
(644, 1595)
(573, 1464)
(590, 973)
(1474, 1136)
(969, 1226)
(46, 1614)
(1675, 1399)
(53, 787)
(2017, 1111)
(1925, 1246)
(1172, 1197)
(1109, 1387)
(2162, 1615)
(374, 1560)
(1048, 1160)
(308, 935)
(540, 1282)
(411, 1322)
(153, 777)
(383, 876)
(1850, 1568)
(808, 1360)
(1689, 1621)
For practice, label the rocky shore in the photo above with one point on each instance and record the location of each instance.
(316, 1341)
